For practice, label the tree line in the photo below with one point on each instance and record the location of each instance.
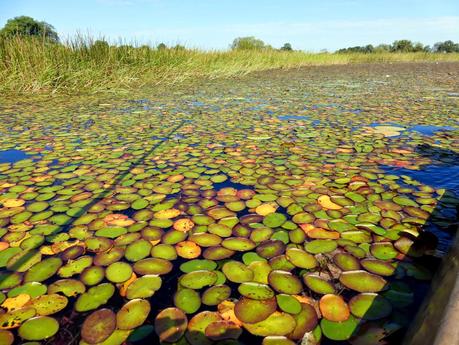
(405, 46)
(27, 26)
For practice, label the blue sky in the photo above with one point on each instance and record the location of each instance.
(212, 24)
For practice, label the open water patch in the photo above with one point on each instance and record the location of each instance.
(12, 156)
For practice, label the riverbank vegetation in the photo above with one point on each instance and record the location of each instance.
(34, 60)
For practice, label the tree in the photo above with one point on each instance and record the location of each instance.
(358, 49)
(178, 47)
(403, 46)
(100, 45)
(248, 43)
(161, 46)
(27, 26)
(287, 47)
(419, 47)
(382, 48)
(446, 47)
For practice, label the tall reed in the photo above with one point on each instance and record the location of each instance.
(31, 65)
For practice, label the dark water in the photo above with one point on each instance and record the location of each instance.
(437, 176)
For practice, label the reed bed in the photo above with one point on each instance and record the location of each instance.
(31, 65)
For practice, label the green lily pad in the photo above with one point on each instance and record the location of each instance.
(305, 321)
(276, 324)
(320, 246)
(238, 244)
(370, 306)
(198, 265)
(95, 297)
(339, 331)
(251, 311)
(274, 220)
(187, 300)
(137, 250)
(118, 272)
(334, 308)
(92, 275)
(33, 289)
(383, 251)
(38, 328)
(6, 337)
(198, 279)
(288, 304)
(133, 314)
(152, 266)
(300, 258)
(362, 281)
(346, 262)
(237, 272)
(43, 270)
(378, 267)
(170, 324)
(48, 304)
(16, 317)
(98, 326)
(215, 294)
(285, 282)
(68, 287)
(195, 334)
(255, 290)
(270, 248)
(144, 287)
(318, 284)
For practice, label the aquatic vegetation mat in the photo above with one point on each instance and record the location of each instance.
(281, 207)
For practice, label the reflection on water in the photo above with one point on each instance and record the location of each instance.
(293, 117)
(430, 130)
(12, 156)
(437, 176)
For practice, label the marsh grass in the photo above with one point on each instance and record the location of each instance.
(31, 65)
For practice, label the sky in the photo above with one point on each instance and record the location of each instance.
(310, 25)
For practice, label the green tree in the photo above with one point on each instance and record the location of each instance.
(419, 47)
(161, 46)
(179, 47)
(382, 48)
(446, 47)
(248, 43)
(100, 45)
(402, 46)
(27, 26)
(287, 47)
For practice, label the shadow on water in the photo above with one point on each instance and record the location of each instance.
(429, 274)
(24, 259)
(406, 301)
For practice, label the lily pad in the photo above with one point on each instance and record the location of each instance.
(333, 308)
(362, 281)
(285, 282)
(98, 326)
(38, 328)
(133, 314)
(170, 324)
(276, 324)
(370, 306)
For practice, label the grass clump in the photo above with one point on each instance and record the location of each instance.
(34, 65)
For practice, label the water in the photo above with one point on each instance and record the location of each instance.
(427, 130)
(430, 130)
(437, 176)
(293, 117)
(12, 156)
